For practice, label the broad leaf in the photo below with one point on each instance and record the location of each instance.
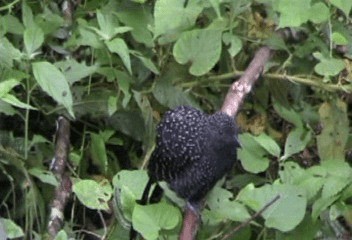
(12, 230)
(33, 39)
(291, 203)
(343, 5)
(119, 46)
(150, 219)
(54, 83)
(333, 138)
(92, 194)
(201, 48)
(172, 17)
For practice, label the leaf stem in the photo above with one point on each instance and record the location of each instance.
(9, 6)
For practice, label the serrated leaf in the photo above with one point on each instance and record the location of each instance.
(118, 45)
(333, 138)
(201, 48)
(92, 194)
(150, 219)
(54, 83)
(33, 39)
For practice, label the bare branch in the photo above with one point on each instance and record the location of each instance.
(58, 167)
(190, 224)
(243, 86)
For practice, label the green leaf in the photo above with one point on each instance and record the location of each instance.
(61, 235)
(8, 53)
(321, 204)
(201, 48)
(268, 144)
(221, 206)
(106, 24)
(234, 42)
(98, 152)
(127, 13)
(12, 230)
(6, 109)
(27, 15)
(119, 46)
(11, 99)
(33, 39)
(11, 24)
(334, 185)
(343, 5)
(296, 141)
(7, 85)
(124, 83)
(54, 83)
(150, 219)
(148, 64)
(252, 155)
(339, 39)
(329, 66)
(75, 71)
(288, 114)
(93, 195)
(112, 105)
(130, 185)
(293, 13)
(44, 176)
(291, 203)
(171, 17)
(319, 13)
(333, 138)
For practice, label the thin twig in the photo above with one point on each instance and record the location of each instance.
(237, 228)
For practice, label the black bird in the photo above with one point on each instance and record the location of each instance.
(193, 151)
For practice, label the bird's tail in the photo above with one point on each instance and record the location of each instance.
(154, 198)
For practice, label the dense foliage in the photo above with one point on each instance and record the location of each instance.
(113, 67)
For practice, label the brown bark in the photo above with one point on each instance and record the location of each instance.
(58, 167)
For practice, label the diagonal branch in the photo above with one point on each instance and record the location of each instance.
(239, 89)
